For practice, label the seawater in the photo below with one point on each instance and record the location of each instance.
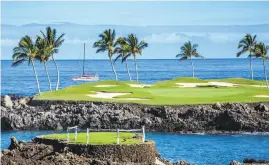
(20, 80)
(199, 149)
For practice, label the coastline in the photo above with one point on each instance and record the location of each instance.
(228, 118)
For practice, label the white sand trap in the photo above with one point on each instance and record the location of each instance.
(222, 84)
(101, 86)
(191, 85)
(106, 95)
(139, 85)
(131, 99)
(261, 96)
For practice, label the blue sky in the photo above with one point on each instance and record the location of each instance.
(161, 24)
(137, 13)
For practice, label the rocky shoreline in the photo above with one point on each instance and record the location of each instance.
(32, 153)
(19, 113)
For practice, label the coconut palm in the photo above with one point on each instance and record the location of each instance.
(189, 51)
(26, 51)
(53, 43)
(261, 52)
(124, 53)
(43, 55)
(135, 47)
(247, 44)
(106, 43)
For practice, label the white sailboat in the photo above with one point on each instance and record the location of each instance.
(85, 76)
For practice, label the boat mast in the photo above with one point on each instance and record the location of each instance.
(84, 60)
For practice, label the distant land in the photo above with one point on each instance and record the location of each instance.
(215, 41)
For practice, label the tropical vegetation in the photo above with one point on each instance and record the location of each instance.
(106, 43)
(247, 45)
(189, 51)
(261, 52)
(135, 47)
(53, 43)
(122, 49)
(26, 50)
(127, 46)
(41, 49)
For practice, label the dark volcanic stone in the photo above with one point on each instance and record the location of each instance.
(56, 115)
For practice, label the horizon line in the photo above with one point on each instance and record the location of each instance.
(147, 59)
(72, 23)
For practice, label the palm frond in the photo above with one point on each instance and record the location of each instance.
(118, 57)
(183, 58)
(18, 62)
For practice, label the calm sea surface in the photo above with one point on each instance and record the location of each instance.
(20, 80)
(199, 149)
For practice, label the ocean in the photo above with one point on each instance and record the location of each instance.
(199, 149)
(20, 80)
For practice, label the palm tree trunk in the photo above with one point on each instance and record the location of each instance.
(116, 76)
(265, 75)
(251, 70)
(47, 75)
(58, 74)
(127, 68)
(192, 68)
(136, 68)
(37, 82)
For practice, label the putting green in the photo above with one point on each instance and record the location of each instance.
(164, 92)
(98, 138)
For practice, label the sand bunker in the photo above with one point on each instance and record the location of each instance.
(261, 96)
(110, 95)
(106, 95)
(101, 86)
(131, 99)
(190, 85)
(139, 85)
(222, 84)
(258, 86)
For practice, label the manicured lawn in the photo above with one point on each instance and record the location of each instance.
(98, 138)
(165, 92)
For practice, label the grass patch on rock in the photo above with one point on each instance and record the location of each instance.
(98, 138)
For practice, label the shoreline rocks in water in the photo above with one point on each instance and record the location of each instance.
(22, 114)
(32, 153)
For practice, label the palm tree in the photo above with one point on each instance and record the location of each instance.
(124, 53)
(26, 51)
(247, 44)
(187, 52)
(53, 43)
(135, 47)
(261, 51)
(43, 55)
(106, 43)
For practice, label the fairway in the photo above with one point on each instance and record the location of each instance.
(165, 92)
(98, 138)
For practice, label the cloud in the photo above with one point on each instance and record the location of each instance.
(166, 38)
(209, 37)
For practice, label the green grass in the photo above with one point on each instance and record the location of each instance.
(98, 138)
(165, 92)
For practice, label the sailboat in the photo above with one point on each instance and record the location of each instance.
(85, 76)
